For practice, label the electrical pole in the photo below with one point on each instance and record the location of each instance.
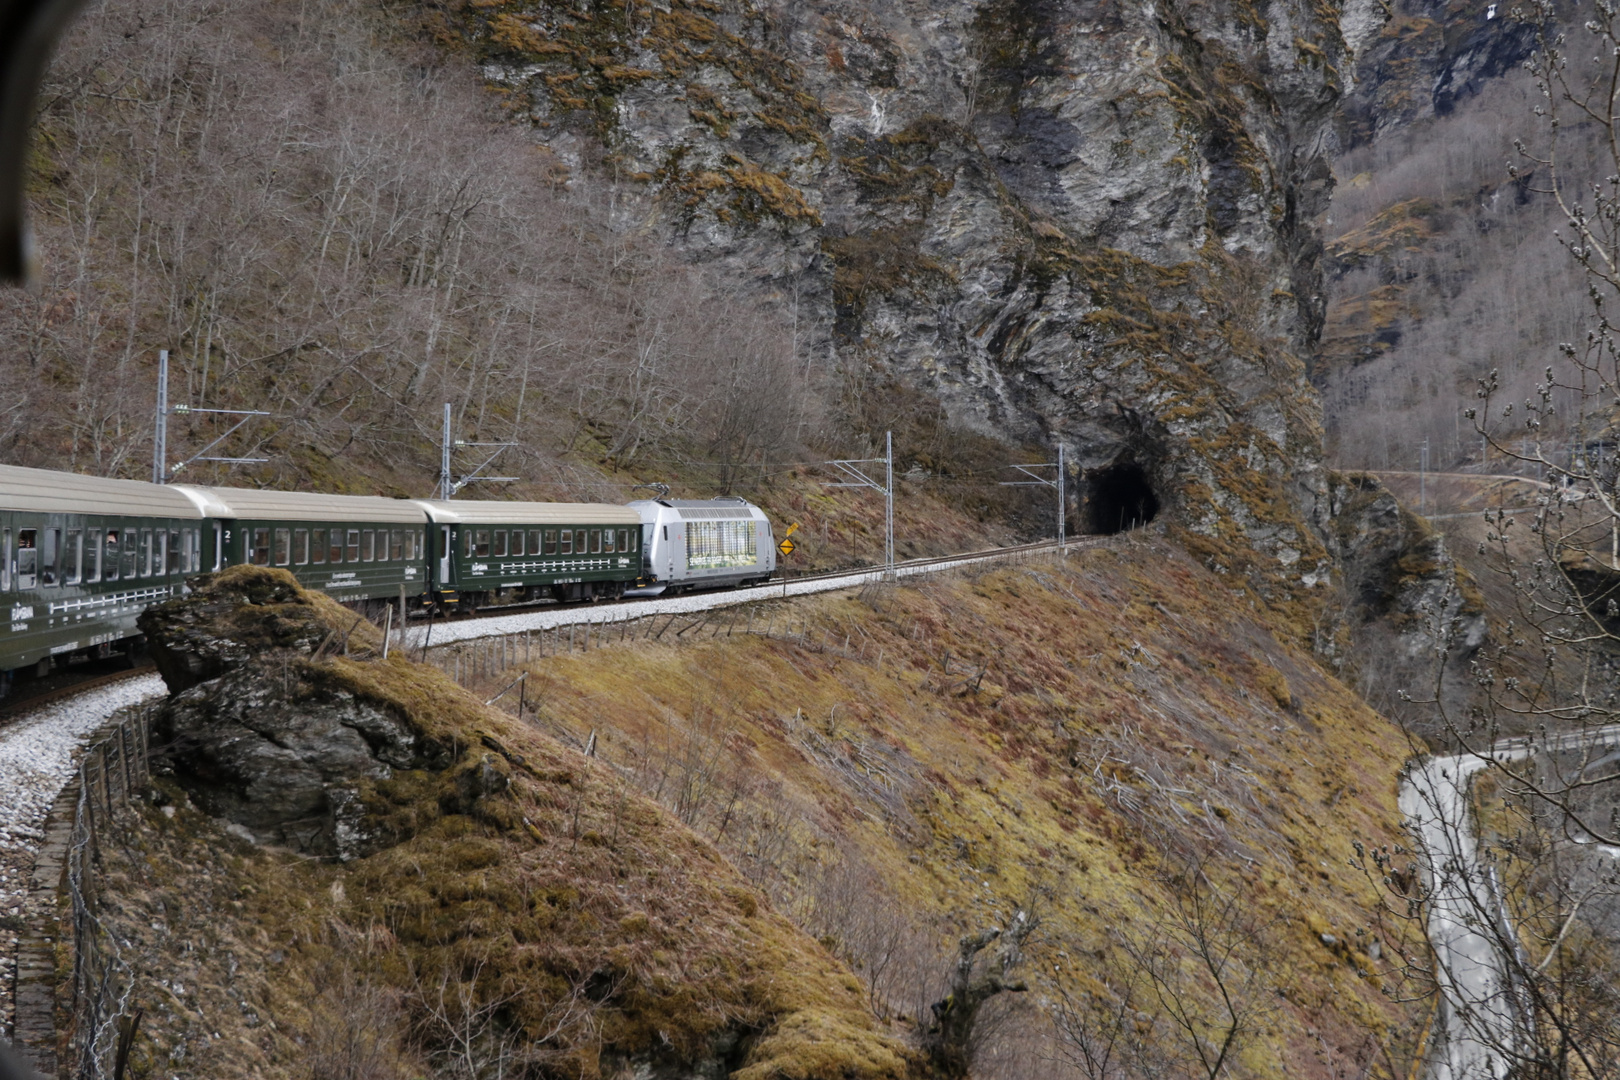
(446, 486)
(1423, 477)
(1063, 506)
(1037, 480)
(888, 503)
(855, 476)
(160, 432)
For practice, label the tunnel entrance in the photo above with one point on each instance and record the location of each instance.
(1121, 498)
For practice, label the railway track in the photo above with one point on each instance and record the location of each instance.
(31, 698)
(495, 622)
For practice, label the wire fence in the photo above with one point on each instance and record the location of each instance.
(81, 1037)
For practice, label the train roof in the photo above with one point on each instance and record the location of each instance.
(728, 507)
(49, 492)
(486, 512)
(255, 504)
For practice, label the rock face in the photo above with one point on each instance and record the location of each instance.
(1399, 578)
(1418, 58)
(256, 733)
(1087, 223)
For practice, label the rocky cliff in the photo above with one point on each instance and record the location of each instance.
(1082, 223)
(1418, 59)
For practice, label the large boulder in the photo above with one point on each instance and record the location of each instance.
(260, 730)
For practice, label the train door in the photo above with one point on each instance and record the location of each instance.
(447, 554)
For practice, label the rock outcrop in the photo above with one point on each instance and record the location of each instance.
(1415, 59)
(1400, 580)
(259, 733)
(1078, 223)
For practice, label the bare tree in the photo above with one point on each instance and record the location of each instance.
(979, 975)
(1102, 1031)
(1203, 964)
(323, 220)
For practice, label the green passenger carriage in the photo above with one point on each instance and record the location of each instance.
(82, 556)
(351, 547)
(483, 552)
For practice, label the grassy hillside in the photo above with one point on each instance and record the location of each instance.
(904, 765)
(519, 910)
(1109, 750)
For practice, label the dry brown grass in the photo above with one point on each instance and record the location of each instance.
(526, 911)
(1059, 731)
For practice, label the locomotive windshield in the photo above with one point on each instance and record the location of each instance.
(713, 545)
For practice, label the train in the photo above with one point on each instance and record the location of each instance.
(81, 556)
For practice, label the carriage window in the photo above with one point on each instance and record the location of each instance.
(174, 552)
(260, 555)
(467, 543)
(194, 546)
(517, 541)
(534, 541)
(368, 546)
(412, 539)
(144, 562)
(499, 549)
(624, 539)
(580, 547)
(354, 545)
(607, 539)
(396, 545)
(551, 541)
(301, 547)
(283, 551)
(50, 550)
(92, 554)
(72, 556)
(317, 545)
(109, 559)
(132, 552)
(481, 543)
(596, 541)
(568, 541)
(27, 559)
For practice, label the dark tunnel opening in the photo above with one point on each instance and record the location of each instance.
(1121, 498)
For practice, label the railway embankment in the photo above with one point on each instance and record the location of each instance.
(902, 765)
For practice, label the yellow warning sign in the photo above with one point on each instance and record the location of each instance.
(791, 529)
(786, 546)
